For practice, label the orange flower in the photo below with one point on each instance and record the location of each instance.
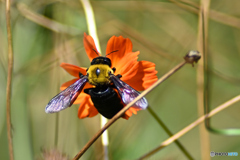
(138, 74)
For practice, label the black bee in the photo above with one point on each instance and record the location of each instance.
(104, 96)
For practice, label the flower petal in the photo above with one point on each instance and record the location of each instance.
(123, 46)
(86, 108)
(141, 76)
(90, 47)
(125, 116)
(126, 63)
(73, 70)
(129, 112)
(68, 83)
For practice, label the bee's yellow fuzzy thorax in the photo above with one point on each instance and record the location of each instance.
(98, 74)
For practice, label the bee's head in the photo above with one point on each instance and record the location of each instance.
(100, 70)
(101, 60)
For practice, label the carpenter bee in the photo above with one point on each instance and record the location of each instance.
(108, 96)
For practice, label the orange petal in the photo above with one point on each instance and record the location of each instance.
(123, 46)
(86, 108)
(68, 83)
(73, 70)
(90, 47)
(125, 116)
(141, 76)
(129, 112)
(126, 63)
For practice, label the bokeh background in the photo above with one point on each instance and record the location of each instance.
(46, 33)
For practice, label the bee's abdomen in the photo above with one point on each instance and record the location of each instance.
(105, 100)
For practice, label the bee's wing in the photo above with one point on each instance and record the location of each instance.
(66, 98)
(128, 94)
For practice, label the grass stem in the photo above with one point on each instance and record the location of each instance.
(93, 32)
(9, 79)
(165, 128)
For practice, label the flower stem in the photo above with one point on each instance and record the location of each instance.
(93, 32)
(9, 79)
(120, 113)
(165, 128)
(192, 125)
(91, 22)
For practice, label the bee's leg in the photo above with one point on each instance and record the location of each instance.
(80, 75)
(114, 69)
(119, 76)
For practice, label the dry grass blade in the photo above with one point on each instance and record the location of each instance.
(225, 19)
(120, 113)
(202, 47)
(92, 29)
(9, 79)
(46, 22)
(214, 15)
(192, 125)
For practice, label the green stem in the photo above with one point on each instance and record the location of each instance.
(165, 128)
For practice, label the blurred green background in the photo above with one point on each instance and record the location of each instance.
(162, 31)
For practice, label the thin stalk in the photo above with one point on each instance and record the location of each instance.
(9, 79)
(56, 130)
(202, 47)
(217, 16)
(92, 29)
(120, 113)
(165, 128)
(191, 126)
(93, 32)
(45, 21)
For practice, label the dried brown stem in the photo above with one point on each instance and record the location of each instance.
(46, 22)
(191, 126)
(217, 16)
(120, 113)
(202, 47)
(9, 79)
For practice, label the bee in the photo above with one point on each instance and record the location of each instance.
(108, 96)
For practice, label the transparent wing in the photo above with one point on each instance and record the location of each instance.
(128, 94)
(66, 98)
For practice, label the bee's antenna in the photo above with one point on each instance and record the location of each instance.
(111, 52)
(96, 52)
